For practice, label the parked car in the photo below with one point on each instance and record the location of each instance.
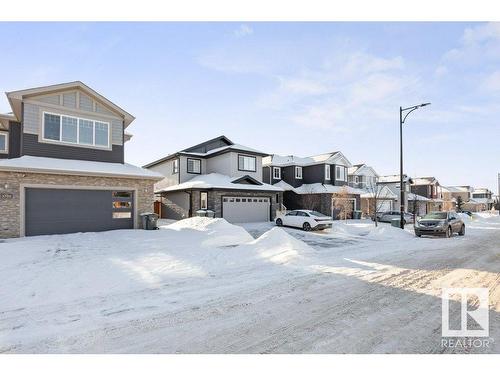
(386, 217)
(440, 224)
(305, 219)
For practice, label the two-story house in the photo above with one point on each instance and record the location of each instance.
(216, 176)
(429, 188)
(483, 199)
(376, 198)
(62, 166)
(311, 182)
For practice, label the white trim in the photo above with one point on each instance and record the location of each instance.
(298, 168)
(6, 151)
(327, 171)
(279, 173)
(109, 147)
(22, 199)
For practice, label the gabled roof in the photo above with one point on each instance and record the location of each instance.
(425, 181)
(16, 97)
(382, 192)
(394, 178)
(358, 169)
(285, 161)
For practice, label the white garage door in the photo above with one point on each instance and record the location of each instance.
(384, 205)
(245, 209)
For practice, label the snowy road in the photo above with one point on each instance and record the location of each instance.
(351, 290)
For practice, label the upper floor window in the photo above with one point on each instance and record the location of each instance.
(194, 166)
(327, 172)
(247, 163)
(277, 173)
(4, 142)
(356, 179)
(69, 129)
(175, 166)
(340, 173)
(298, 173)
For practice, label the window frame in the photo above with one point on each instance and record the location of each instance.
(342, 170)
(175, 166)
(187, 165)
(242, 168)
(298, 168)
(279, 173)
(201, 200)
(93, 145)
(328, 172)
(6, 134)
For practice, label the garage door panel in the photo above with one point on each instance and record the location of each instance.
(58, 211)
(245, 209)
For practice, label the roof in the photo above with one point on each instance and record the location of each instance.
(458, 189)
(16, 97)
(35, 164)
(393, 178)
(319, 188)
(357, 169)
(285, 186)
(218, 181)
(425, 181)
(481, 191)
(416, 197)
(285, 161)
(212, 152)
(383, 192)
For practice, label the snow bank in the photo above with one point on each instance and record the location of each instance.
(365, 228)
(465, 218)
(219, 231)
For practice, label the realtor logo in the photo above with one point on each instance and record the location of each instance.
(473, 312)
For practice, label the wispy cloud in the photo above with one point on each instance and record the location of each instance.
(242, 31)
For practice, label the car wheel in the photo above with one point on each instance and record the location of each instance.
(306, 226)
(462, 231)
(418, 235)
(279, 222)
(449, 232)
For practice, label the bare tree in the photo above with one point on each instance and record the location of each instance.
(310, 200)
(376, 200)
(343, 202)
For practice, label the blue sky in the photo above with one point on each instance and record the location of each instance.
(286, 88)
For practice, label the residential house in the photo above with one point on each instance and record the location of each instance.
(62, 166)
(376, 198)
(392, 182)
(313, 182)
(481, 200)
(215, 177)
(449, 201)
(429, 188)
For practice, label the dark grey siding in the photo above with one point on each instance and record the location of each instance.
(57, 211)
(266, 175)
(14, 140)
(288, 175)
(422, 190)
(31, 146)
(314, 174)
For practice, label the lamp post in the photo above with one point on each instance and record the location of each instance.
(402, 119)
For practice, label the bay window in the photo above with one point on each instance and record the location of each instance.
(75, 130)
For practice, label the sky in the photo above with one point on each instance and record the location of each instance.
(285, 88)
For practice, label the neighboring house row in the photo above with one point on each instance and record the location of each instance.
(475, 200)
(62, 164)
(218, 178)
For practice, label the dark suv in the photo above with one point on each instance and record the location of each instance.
(440, 224)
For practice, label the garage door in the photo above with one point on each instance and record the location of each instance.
(245, 209)
(57, 211)
(384, 205)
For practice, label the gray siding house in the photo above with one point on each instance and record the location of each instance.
(311, 182)
(62, 164)
(215, 177)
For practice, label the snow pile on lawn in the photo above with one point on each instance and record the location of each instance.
(219, 231)
(465, 218)
(366, 228)
(278, 246)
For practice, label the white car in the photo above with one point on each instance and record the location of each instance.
(305, 219)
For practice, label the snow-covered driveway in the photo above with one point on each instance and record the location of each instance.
(201, 286)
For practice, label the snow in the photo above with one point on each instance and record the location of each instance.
(35, 164)
(204, 285)
(217, 181)
(318, 188)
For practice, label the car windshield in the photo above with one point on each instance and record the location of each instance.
(436, 215)
(316, 213)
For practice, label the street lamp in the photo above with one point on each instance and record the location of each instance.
(406, 112)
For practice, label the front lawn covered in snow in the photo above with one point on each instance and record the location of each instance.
(204, 285)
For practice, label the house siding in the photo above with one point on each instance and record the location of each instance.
(314, 174)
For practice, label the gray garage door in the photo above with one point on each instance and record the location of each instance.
(245, 209)
(57, 211)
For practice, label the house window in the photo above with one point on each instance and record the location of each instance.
(122, 204)
(175, 166)
(277, 173)
(203, 200)
(122, 194)
(4, 142)
(340, 173)
(327, 172)
(298, 173)
(356, 179)
(194, 166)
(74, 130)
(247, 163)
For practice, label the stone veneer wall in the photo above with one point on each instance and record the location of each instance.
(10, 215)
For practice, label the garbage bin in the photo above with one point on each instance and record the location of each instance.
(356, 215)
(210, 213)
(201, 213)
(396, 222)
(149, 221)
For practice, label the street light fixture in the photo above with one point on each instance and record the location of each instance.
(406, 112)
